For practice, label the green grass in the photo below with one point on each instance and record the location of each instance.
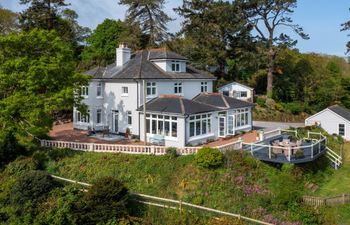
(243, 185)
(339, 181)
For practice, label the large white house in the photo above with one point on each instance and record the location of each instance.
(238, 90)
(334, 119)
(180, 106)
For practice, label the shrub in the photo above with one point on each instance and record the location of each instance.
(293, 107)
(209, 157)
(171, 152)
(270, 103)
(10, 149)
(39, 159)
(33, 186)
(106, 200)
(261, 101)
(20, 166)
(57, 154)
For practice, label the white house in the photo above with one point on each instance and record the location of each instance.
(180, 106)
(334, 119)
(237, 90)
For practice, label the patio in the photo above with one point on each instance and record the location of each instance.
(66, 132)
(285, 149)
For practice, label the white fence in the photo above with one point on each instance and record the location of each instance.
(131, 149)
(172, 204)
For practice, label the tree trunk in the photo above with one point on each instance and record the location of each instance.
(270, 71)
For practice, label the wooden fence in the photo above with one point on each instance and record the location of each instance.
(131, 149)
(171, 203)
(328, 201)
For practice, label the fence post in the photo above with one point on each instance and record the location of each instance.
(251, 149)
(261, 135)
(91, 147)
(312, 150)
(289, 153)
(269, 151)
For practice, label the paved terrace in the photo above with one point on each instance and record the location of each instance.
(66, 132)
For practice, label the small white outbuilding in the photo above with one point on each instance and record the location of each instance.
(334, 119)
(238, 91)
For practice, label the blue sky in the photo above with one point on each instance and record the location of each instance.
(321, 19)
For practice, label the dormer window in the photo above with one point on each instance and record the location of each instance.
(175, 66)
(204, 86)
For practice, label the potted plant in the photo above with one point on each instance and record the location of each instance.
(128, 133)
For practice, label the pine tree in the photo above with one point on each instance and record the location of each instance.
(150, 16)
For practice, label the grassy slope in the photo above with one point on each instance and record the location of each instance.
(241, 186)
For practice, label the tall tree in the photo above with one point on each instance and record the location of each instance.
(54, 15)
(43, 14)
(150, 16)
(267, 17)
(103, 41)
(217, 30)
(8, 21)
(37, 79)
(346, 27)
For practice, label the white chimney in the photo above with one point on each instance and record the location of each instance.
(123, 54)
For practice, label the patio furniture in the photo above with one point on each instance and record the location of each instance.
(276, 149)
(105, 130)
(157, 139)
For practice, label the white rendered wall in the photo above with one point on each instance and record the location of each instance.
(237, 88)
(329, 121)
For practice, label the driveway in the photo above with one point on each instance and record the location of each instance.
(268, 125)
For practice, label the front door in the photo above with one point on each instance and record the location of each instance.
(222, 126)
(115, 118)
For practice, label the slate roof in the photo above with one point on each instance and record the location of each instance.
(205, 102)
(176, 104)
(221, 101)
(341, 111)
(140, 67)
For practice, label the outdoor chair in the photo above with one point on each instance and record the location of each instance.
(157, 139)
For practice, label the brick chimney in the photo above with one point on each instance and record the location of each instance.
(123, 54)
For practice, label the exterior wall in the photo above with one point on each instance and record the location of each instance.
(190, 88)
(234, 87)
(329, 121)
(112, 100)
(178, 141)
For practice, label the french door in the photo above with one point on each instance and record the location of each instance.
(222, 126)
(115, 119)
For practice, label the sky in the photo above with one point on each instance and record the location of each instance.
(321, 19)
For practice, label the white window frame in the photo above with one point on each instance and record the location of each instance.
(129, 118)
(245, 92)
(178, 88)
(85, 91)
(125, 91)
(204, 86)
(241, 117)
(151, 89)
(175, 66)
(162, 120)
(83, 119)
(99, 89)
(343, 129)
(201, 120)
(99, 116)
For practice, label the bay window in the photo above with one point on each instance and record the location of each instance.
(200, 125)
(161, 125)
(242, 117)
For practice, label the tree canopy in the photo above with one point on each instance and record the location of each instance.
(37, 79)
(150, 16)
(266, 17)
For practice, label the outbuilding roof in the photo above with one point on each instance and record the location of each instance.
(140, 66)
(341, 111)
